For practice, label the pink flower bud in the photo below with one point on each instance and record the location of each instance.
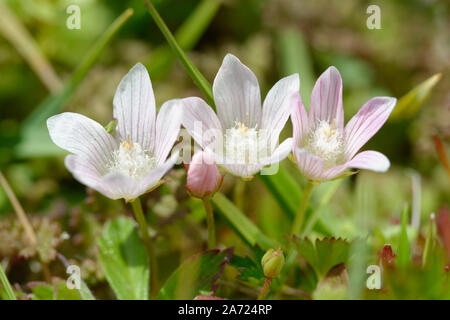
(203, 176)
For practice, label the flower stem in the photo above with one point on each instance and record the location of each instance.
(300, 216)
(6, 285)
(143, 227)
(265, 289)
(210, 223)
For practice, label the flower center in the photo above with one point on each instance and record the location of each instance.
(131, 160)
(244, 145)
(326, 142)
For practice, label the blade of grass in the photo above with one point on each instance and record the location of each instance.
(246, 229)
(16, 33)
(429, 243)
(187, 36)
(411, 102)
(54, 103)
(294, 57)
(194, 73)
(404, 248)
(6, 285)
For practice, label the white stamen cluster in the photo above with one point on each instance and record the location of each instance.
(244, 145)
(131, 160)
(326, 142)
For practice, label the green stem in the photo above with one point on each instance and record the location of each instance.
(194, 73)
(265, 289)
(4, 280)
(210, 223)
(148, 242)
(300, 216)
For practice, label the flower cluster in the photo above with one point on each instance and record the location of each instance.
(242, 137)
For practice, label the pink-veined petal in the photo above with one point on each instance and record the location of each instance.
(370, 160)
(134, 108)
(167, 128)
(369, 119)
(200, 121)
(299, 119)
(277, 106)
(84, 172)
(243, 170)
(311, 166)
(326, 99)
(82, 136)
(236, 94)
(121, 186)
(280, 153)
(156, 174)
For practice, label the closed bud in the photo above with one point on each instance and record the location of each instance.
(203, 176)
(272, 263)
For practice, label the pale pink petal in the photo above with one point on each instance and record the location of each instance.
(280, 153)
(242, 170)
(200, 121)
(134, 108)
(326, 99)
(299, 118)
(236, 94)
(277, 106)
(156, 174)
(369, 119)
(167, 128)
(311, 166)
(86, 173)
(203, 176)
(121, 186)
(370, 160)
(82, 136)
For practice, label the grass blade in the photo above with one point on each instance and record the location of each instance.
(6, 285)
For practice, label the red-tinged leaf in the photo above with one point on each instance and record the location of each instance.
(441, 153)
(443, 227)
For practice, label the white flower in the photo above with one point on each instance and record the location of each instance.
(132, 161)
(243, 136)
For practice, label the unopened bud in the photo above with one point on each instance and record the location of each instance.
(272, 263)
(203, 176)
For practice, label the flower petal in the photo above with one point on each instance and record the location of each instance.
(134, 108)
(156, 174)
(326, 99)
(277, 106)
(82, 136)
(311, 166)
(167, 128)
(121, 186)
(299, 118)
(86, 173)
(243, 170)
(236, 94)
(280, 153)
(370, 160)
(369, 119)
(200, 121)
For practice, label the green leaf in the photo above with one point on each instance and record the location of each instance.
(187, 36)
(294, 57)
(404, 248)
(323, 254)
(411, 102)
(58, 290)
(35, 122)
(192, 70)
(6, 285)
(249, 267)
(124, 260)
(246, 229)
(196, 276)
